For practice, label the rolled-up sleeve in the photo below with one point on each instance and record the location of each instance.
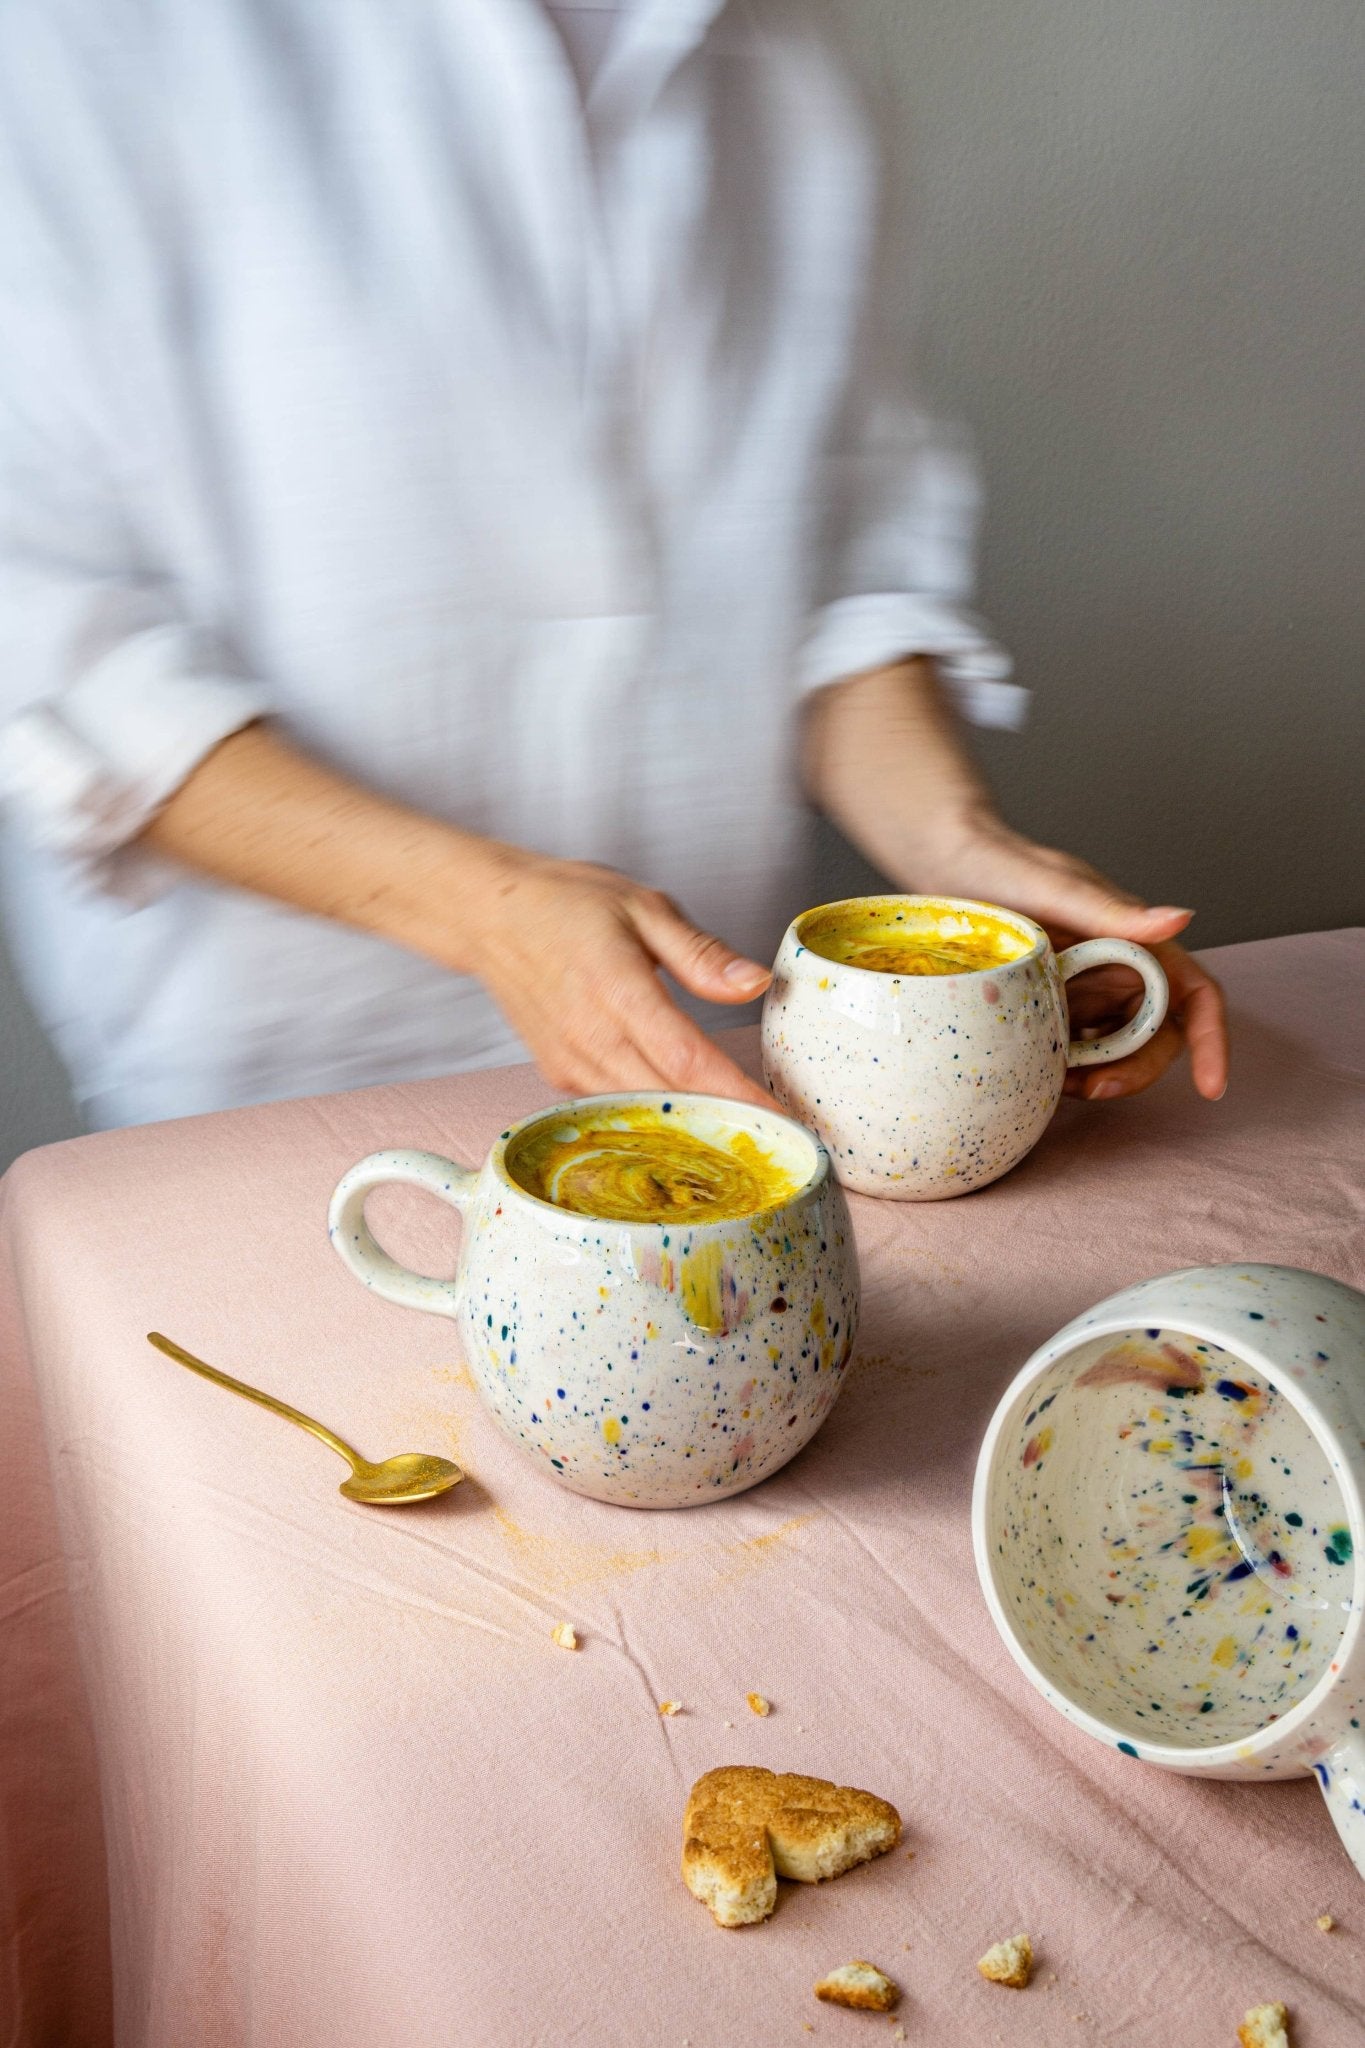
(111, 690)
(901, 503)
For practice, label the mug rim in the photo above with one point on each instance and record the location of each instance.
(1039, 947)
(1171, 1756)
(819, 1176)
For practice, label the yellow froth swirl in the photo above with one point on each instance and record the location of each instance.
(918, 944)
(652, 1172)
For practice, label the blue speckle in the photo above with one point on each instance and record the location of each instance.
(1232, 1391)
(1255, 1315)
(1127, 1749)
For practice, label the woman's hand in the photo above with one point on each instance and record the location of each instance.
(571, 953)
(979, 856)
(884, 759)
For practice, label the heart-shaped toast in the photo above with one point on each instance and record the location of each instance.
(745, 1827)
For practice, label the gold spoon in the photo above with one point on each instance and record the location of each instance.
(412, 1475)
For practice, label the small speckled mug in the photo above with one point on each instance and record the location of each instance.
(1168, 1524)
(925, 1086)
(656, 1365)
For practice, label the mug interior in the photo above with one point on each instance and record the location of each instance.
(787, 1158)
(917, 922)
(1168, 1540)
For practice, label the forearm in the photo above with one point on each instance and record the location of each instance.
(263, 816)
(883, 758)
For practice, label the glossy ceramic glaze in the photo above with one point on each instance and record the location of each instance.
(925, 1086)
(1168, 1526)
(654, 1364)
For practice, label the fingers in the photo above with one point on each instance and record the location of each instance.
(1129, 1076)
(1197, 1018)
(1206, 1033)
(620, 1030)
(1063, 893)
(677, 1048)
(703, 964)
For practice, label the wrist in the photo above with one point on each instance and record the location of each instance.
(436, 891)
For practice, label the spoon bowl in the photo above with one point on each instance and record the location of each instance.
(412, 1475)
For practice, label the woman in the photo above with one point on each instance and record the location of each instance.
(458, 500)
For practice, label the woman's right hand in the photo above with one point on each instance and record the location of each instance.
(571, 953)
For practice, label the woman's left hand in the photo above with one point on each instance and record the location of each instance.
(883, 757)
(986, 860)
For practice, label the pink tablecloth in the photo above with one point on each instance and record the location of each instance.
(349, 1790)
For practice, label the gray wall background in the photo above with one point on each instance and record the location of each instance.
(1142, 285)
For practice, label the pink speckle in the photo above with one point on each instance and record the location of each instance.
(745, 1447)
(746, 1393)
(991, 991)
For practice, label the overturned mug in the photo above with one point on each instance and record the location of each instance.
(657, 1295)
(926, 1038)
(1168, 1524)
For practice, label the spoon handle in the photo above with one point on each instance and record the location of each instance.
(223, 1379)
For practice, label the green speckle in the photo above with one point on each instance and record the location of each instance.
(1127, 1749)
(1339, 1546)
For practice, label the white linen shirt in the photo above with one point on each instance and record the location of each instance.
(524, 457)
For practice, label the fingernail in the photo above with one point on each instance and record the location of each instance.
(1104, 1091)
(1168, 910)
(741, 971)
(1221, 1092)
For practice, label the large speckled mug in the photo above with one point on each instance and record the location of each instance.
(936, 1080)
(656, 1363)
(1168, 1525)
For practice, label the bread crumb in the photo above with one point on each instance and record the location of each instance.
(670, 1706)
(1009, 1962)
(565, 1634)
(898, 2033)
(1265, 2026)
(757, 1704)
(860, 1985)
(1326, 1922)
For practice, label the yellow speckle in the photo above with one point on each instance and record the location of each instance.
(1202, 1543)
(823, 981)
(758, 1705)
(611, 1430)
(1156, 1414)
(703, 1284)
(1224, 1654)
(651, 1329)
(605, 1293)
(565, 1634)
(817, 1315)
(1161, 1443)
(1243, 1468)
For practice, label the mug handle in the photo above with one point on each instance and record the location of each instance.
(1341, 1774)
(1116, 1045)
(356, 1246)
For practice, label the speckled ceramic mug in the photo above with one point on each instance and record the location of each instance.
(1168, 1525)
(928, 1086)
(651, 1364)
